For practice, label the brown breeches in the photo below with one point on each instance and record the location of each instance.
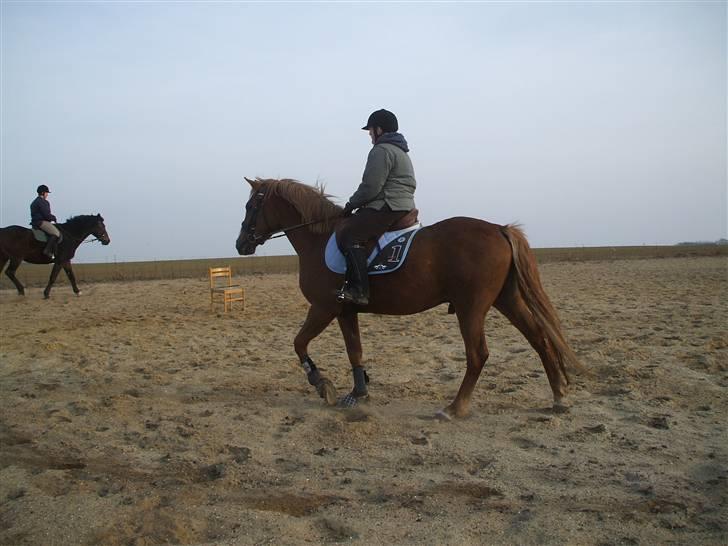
(366, 225)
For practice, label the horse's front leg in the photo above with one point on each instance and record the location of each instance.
(349, 324)
(71, 277)
(316, 322)
(54, 274)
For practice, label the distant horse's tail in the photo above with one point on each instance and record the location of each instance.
(529, 284)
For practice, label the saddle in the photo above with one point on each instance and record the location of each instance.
(42, 236)
(408, 220)
(386, 254)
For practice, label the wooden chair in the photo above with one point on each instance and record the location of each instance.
(221, 279)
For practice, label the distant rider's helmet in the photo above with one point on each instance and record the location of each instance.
(43, 189)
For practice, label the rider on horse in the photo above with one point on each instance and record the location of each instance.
(41, 218)
(385, 195)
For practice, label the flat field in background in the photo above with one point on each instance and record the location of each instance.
(37, 275)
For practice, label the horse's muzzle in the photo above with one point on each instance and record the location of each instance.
(245, 246)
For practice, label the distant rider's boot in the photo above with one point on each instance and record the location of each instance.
(50, 248)
(356, 288)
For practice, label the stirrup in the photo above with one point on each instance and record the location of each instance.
(342, 296)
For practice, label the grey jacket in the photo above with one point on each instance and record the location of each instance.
(389, 178)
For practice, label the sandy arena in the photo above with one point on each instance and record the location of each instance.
(134, 415)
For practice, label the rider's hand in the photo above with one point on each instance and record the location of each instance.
(348, 210)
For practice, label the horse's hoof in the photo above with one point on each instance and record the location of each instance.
(78, 294)
(46, 296)
(327, 391)
(442, 415)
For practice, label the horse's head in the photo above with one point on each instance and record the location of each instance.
(99, 231)
(284, 207)
(255, 230)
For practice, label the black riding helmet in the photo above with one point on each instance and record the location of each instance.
(43, 189)
(384, 119)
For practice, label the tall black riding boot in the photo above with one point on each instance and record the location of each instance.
(356, 290)
(50, 248)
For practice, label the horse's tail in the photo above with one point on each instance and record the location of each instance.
(531, 289)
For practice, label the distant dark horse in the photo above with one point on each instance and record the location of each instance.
(17, 244)
(469, 264)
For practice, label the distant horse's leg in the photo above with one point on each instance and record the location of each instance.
(316, 322)
(54, 273)
(349, 324)
(476, 351)
(10, 272)
(512, 305)
(71, 277)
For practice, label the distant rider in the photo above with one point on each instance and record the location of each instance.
(41, 218)
(385, 195)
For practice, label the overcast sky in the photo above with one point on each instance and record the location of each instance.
(589, 123)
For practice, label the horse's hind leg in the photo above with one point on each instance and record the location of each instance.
(10, 272)
(316, 322)
(476, 351)
(512, 305)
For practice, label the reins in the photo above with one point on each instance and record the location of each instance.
(291, 228)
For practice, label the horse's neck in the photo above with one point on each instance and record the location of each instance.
(304, 241)
(76, 234)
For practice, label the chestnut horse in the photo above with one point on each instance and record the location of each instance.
(469, 264)
(17, 244)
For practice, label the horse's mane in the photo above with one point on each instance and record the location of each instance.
(81, 222)
(312, 202)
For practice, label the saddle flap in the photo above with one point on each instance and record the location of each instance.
(40, 235)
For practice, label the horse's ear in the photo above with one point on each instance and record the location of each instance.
(253, 183)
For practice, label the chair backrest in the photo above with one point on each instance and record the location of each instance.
(220, 273)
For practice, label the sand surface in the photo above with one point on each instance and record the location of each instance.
(135, 415)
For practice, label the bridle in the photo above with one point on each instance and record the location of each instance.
(257, 207)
